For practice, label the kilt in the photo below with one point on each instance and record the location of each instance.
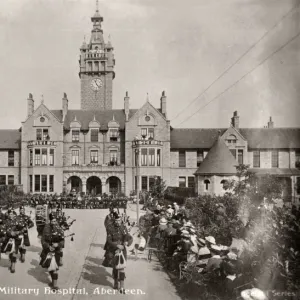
(109, 261)
(44, 254)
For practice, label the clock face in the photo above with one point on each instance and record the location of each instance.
(96, 84)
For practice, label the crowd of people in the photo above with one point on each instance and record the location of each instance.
(169, 230)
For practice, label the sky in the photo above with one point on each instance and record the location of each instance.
(180, 47)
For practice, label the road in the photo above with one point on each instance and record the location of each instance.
(82, 275)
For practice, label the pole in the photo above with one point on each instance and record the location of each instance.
(137, 187)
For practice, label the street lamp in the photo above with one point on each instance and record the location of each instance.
(137, 152)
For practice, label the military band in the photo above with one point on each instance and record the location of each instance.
(51, 224)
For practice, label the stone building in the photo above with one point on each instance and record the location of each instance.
(97, 149)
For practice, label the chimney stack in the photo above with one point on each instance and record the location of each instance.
(270, 123)
(163, 104)
(65, 102)
(235, 120)
(126, 106)
(30, 105)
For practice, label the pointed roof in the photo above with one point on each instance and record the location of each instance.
(219, 160)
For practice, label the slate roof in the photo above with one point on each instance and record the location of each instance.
(276, 171)
(86, 116)
(218, 160)
(10, 139)
(263, 138)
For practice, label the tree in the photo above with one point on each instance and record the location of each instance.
(158, 189)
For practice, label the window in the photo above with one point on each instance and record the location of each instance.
(51, 157)
(45, 135)
(231, 139)
(275, 159)
(200, 157)
(191, 181)
(44, 183)
(256, 159)
(144, 183)
(113, 156)
(297, 159)
(240, 157)
(94, 156)
(97, 66)
(144, 132)
(75, 157)
(51, 183)
(39, 134)
(144, 157)
(11, 158)
(30, 157)
(44, 157)
(75, 135)
(182, 182)
(10, 179)
(206, 183)
(2, 180)
(94, 135)
(298, 185)
(158, 158)
(224, 184)
(151, 182)
(42, 134)
(30, 183)
(151, 133)
(90, 68)
(113, 133)
(37, 157)
(135, 182)
(233, 152)
(37, 183)
(182, 162)
(136, 158)
(152, 157)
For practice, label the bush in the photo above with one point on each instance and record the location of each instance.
(179, 194)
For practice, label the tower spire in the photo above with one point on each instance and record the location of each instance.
(97, 5)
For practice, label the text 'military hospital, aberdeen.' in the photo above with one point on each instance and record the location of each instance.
(99, 149)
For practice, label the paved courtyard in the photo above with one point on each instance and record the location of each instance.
(82, 271)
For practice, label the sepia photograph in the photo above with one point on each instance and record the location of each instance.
(150, 149)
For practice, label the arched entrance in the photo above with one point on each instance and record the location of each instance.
(114, 185)
(74, 184)
(94, 185)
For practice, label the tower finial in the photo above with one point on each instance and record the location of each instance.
(147, 97)
(42, 99)
(97, 5)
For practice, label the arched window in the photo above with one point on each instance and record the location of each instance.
(224, 182)
(231, 139)
(206, 182)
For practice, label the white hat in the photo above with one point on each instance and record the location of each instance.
(163, 221)
(232, 256)
(216, 248)
(204, 251)
(253, 294)
(211, 239)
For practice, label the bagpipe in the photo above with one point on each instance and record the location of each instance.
(49, 262)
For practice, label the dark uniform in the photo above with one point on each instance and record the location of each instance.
(2, 231)
(26, 224)
(13, 240)
(52, 243)
(117, 235)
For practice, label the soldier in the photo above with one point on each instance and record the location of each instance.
(52, 242)
(2, 231)
(117, 239)
(14, 235)
(26, 224)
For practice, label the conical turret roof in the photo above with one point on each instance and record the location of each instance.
(218, 161)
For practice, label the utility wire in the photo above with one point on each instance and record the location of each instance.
(236, 82)
(236, 62)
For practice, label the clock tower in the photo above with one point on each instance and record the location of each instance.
(96, 69)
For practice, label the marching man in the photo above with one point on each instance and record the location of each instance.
(26, 223)
(116, 255)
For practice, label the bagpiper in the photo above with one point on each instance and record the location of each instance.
(52, 242)
(26, 224)
(14, 234)
(2, 231)
(117, 240)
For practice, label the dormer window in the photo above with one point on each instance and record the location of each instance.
(75, 135)
(94, 135)
(113, 134)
